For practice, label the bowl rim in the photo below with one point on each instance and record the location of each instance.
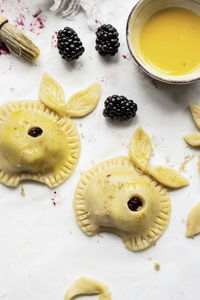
(159, 78)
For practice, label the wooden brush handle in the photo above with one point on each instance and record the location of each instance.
(3, 20)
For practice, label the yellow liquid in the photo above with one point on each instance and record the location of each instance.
(170, 41)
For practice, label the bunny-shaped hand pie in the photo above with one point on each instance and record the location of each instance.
(126, 196)
(38, 140)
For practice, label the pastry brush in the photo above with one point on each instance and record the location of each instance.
(16, 41)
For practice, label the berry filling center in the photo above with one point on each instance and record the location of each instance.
(35, 132)
(135, 204)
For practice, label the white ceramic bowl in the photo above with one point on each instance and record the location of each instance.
(142, 11)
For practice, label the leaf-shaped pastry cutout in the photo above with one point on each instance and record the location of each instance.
(84, 102)
(140, 148)
(167, 176)
(52, 95)
(193, 139)
(195, 109)
(193, 222)
(87, 286)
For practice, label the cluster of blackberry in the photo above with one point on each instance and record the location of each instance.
(107, 43)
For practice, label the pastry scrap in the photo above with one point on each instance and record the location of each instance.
(127, 196)
(38, 140)
(193, 222)
(87, 286)
(194, 138)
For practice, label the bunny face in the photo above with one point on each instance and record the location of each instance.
(37, 140)
(32, 153)
(127, 196)
(113, 191)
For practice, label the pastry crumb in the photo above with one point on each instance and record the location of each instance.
(82, 135)
(187, 159)
(22, 192)
(80, 124)
(149, 258)
(100, 235)
(12, 89)
(157, 266)
(167, 160)
(70, 232)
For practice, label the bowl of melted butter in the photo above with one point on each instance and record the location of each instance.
(163, 37)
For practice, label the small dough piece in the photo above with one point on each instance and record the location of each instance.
(52, 95)
(193, 139)
(119, 196)
(195, 109)
(87, 286)
(157, 267)
(168, 176)
(140, 149)
(84, 102)
(193, 222)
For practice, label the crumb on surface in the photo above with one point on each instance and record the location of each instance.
(187, 159)
(167, 160)
(12, 89)
(100, 235)
(80, 124)
(22, 191)
(150, 258)
(82, 136)
(157, 266)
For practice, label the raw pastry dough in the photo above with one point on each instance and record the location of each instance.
(194, 138)
(193, 222)
(37, 139)
(122, 196)
(87, 286)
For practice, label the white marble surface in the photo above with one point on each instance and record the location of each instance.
(42, 251)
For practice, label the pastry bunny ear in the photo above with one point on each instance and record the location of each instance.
(84, 102)
(87, 286)
(193, 139)
(52, 95)
(140, 149)
(167, 176)
(193, 222)
(195, 109)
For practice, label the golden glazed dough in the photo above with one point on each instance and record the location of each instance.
(194, 138)
(105, 195)
(87, 286)
(193, 222)
(49, 157)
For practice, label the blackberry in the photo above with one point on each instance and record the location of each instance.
(119, 108)
(107, 42)
(134, 204)
(35, 132)
(69, 44)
